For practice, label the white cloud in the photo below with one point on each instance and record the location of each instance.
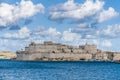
(106, 43)
(107, 14)
(96, 42)
(102, 43)
(83, 25)
(88, 12)
(70, 36)
(11, 13)
(41, 34)
(12, 45)
(55, 35)
(74, 10)
(87, 16)
(86, 30)
(24, 32)
(111, 31)
(90, 36)
(52, 32)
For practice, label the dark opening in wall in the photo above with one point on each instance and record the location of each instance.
(53, 51)
(82, 59)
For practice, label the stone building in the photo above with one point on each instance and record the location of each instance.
(59, 52)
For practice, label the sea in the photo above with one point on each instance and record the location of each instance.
(59, 70)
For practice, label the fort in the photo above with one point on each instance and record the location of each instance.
(50, 51)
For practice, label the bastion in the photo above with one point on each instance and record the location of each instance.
(50, 51)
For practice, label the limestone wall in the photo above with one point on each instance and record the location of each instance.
(116, 56)
(101, 56)
(77, 50)
(61, 56)
(23, 57)
(54, 51)
(90, 48)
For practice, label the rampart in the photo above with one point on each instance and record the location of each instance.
(50, 51)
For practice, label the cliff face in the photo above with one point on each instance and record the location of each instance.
(60, 52)
(7, 55)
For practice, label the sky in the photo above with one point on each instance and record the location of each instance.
(72, 22)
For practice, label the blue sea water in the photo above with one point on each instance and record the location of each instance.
(40, 70)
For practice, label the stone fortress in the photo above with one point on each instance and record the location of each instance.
(50, 51)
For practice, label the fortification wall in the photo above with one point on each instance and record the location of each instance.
(101, 56)
(61, 56)
(66, 56)
(54, 51)
(22, 57)
(90, 48)
(116, 56)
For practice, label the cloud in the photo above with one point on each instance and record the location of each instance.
(11, 13)
(111, 31)
(87, 16)
(74, 10)
(69, 36)
(52, 32)
(42, 34)
(106, 43)
(102, 43)
(86, 30)
(54, 35)
(12, 45)
(108, 32)
(88, 10)
(107, 14)
(23, 33)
